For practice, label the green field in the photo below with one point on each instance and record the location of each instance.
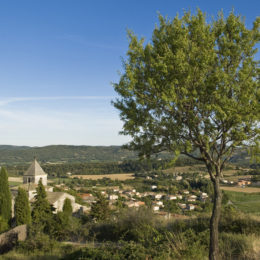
(14, 183)
(246, 202)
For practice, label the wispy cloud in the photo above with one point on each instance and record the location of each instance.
(78, 39)
(97, 124)
(6, 101)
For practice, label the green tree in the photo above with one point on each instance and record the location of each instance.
(100, 209)
(42, 216)
(67, 207)
(5, 196)
(194, 90)
(22, 209)
(3, 224)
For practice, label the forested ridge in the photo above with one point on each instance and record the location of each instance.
(62, 154)
(15, 155)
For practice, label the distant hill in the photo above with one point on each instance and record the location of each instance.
(62, 154)
(15, 155)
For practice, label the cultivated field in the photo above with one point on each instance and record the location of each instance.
(246, 202)
(15, 179)
(184, 169)
(120, 176)
(240, 189)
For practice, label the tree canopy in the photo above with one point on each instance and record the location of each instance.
(100, 209)
(22, 209)
(42, 216)
(193, 89)
(67, 207)
(5, 196)
(195, 85)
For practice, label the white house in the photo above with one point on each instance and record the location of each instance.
(190, 207)
(113, 197)
(156, 208)
(159, 203)
(178, 178)
(158, 196)
(171, 197)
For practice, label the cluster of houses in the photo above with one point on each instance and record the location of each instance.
(185, 200)
(133, 199)
(242, 182)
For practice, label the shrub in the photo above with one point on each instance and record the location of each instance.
(110, 251)
(236, 246)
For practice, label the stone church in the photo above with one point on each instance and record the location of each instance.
(34, 174)
(31, 178)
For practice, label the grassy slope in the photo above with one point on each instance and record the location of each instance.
(246, 202)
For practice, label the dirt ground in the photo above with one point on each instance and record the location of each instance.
(120, 177)
(15, 179)
(240, 189)
(182, 169)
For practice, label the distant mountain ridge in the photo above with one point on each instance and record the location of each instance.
(10, 154)
(15, 155)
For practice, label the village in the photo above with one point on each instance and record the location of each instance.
(157, 192)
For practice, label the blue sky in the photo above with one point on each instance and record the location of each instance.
(59, 57)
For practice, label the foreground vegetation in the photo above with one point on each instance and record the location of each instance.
(139, 234)
(118, 232)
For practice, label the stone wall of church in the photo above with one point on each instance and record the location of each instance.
(43, 177)
(35, 179)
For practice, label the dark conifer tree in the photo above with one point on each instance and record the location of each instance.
(42, 215)
(5, 196)
(100, 210)
(67, 207)
(22, 209)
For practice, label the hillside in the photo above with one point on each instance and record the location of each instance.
(62, 154)
(14, 155)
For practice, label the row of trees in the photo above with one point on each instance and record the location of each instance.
(126, 166)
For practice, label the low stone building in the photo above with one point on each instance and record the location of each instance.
(57, 199)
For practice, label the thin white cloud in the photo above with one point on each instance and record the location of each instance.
(78, 39)
(9, 100)
(97, 124)
(33, 127)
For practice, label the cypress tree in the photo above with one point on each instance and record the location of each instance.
(5, 196)
(42, 211)
(22, 210)
(100, 210)
(67, 207)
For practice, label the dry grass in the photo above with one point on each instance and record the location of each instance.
(240, 189)
(229, 172)
(15, 179)
(182, 169)
(256, 247)
(235, 178)
(120, 176)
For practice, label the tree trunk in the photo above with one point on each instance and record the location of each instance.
(214, 221)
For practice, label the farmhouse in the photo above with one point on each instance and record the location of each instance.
(244, 182)
(171, 197)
